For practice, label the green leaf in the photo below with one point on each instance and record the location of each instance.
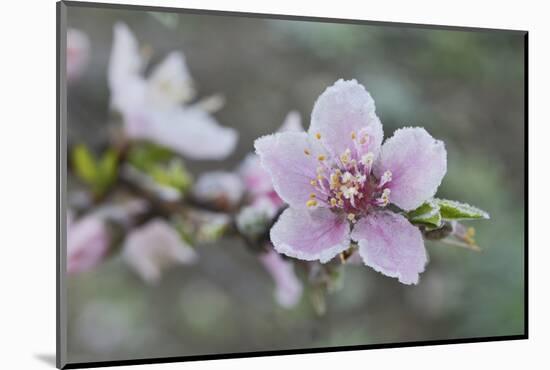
(107, 169)
(427, 214)
(84, 164)
(145, 155)
(162, 165)
(453, 210)
(97, 174)
(108, 164)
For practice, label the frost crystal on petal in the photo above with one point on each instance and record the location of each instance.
(391, 245)
(343, 109)
(417, 163)
(310, 234)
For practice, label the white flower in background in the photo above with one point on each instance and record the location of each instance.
(219, 188)
(154, 109)
(288, 288)
(170, 83)
(78, 53)
(88, 241)
(154, 247)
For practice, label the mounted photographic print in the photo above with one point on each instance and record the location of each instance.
(234, 184)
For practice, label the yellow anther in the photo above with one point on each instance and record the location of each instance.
(353, 135)
(320, 177)
(333, 202)
(334, 181)
(318, 136)
(307, 152)
(469, 237)
(321, 157)
(312, 195)
(345, 156)
(351, 217)
(313, 182)
(311, 203)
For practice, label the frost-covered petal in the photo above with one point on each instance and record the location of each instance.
(390, 244)
(87, 243)
(256, 179)
(318, 234)
(154, 247)
(189, 131)
(170, 82)
(341, 109)
(78, 53)
(288, 288)
(284, 157)
(417, 163)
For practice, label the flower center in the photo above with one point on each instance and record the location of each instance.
(346, 183)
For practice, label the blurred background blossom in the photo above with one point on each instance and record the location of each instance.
(155, 108)
(78, 53)
(464, 87)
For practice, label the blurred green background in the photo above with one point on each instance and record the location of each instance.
(464, 87)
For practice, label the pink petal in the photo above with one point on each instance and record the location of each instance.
(87, 243)
(256, 179)
(391, 245)
(310, 235)
(291, 170)
(417, 162)
(288, 288)
(78, 53)
(154, 247)
(344, 108)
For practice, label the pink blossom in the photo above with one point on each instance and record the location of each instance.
(154, 247)
(338, 179)
(155, 108)
(78, 53)
(87, 243)
(288, 288)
